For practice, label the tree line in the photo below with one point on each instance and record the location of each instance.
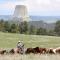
(24, 28)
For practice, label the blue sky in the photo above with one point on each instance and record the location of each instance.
(35, 7)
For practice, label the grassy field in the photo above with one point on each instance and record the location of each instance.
(9, 40)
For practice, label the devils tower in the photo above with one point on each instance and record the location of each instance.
(21, 13)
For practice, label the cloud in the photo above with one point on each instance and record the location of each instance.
(34, 6)
(12, 0)
(8, 7)
(9, 4)
(43, 5)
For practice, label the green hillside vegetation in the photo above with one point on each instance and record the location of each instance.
(25, 28)
(9, 40)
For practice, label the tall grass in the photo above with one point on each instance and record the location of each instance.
(30, 57)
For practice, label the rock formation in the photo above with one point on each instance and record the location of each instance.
(21, 13)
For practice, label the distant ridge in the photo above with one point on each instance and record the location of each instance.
(49, 19)
(6, 17)
(42, 24)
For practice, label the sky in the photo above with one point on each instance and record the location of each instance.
(35, 7)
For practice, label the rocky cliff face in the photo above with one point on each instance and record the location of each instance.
(21, 13)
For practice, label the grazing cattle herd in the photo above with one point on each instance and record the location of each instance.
(35, 50)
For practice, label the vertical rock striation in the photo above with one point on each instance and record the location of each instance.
(21, 13)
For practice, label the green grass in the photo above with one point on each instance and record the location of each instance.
(9, 40)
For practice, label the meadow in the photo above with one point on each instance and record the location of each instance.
(9, 40)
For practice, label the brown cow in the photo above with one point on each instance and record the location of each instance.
(29, 50)
(2, 51)
(51, 51)
(18, 51)
(12, 51)
(57, 50)
(42, 50)
(36, 50)
(32, 50)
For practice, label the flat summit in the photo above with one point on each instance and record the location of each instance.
(21, 12)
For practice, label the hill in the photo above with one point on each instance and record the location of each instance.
(47, 22)
(42, 24)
